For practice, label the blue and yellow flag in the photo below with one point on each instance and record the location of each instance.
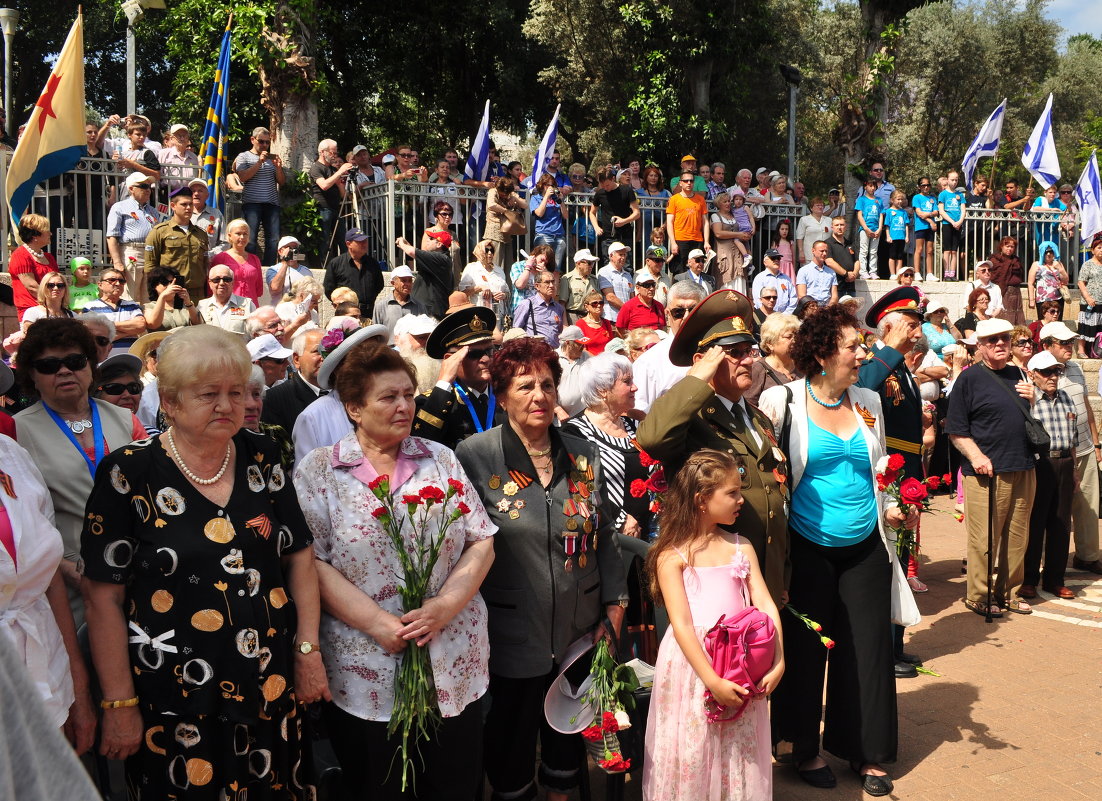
(53, 141)
(214, 133)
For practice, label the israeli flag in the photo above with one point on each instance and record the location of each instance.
(478, 161)
(985, 144)
(546, 149)
(1088, 192)
(1040, 151)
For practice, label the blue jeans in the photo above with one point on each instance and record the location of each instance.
(328, 218)
(559, 245)
(266, 215)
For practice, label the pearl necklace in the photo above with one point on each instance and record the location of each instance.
(38, 255)
(811, 392)
(187, 471)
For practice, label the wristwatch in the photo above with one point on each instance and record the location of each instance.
(307, 647)
(623, 604)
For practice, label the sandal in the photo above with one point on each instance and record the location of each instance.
(1019, 608)
(981, 609)
(916, 585)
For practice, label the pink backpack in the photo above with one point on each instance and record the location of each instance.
(741, 650)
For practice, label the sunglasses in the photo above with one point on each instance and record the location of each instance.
(263, 141)
(115, 281)
(477, 355)
(597, 304)
(923, 186)
(443, 214)
(647, 284)
(1023, 343)
(222, 279)
(114, 388)
(488, 251)
(738, 352)
(1051, 371)
(679, 311)
(768, 297)
(405, 155)
(55, 285)
(994, 339)
(1065, 192)
(49, 365)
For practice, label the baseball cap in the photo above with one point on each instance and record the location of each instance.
(837, 192)
(1042, 361)
(584, 255)
(389, 158)
(287, 240)
(355, 235)
(657, 253)
(358, 149)
(135, 178)
(200, 181)
(695, 253)
(266, 346)
(616, 247)
(760, 170)
(443, 237)
(573, 333)
(1057, 331)
(645, 275)
(177, 128)
(689, 157)
(401, 271)
(773, 254)
(416, 325)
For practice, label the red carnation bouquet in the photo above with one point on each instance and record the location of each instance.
(417, 546)
(610, 696)
(655, 485)
(907, 492)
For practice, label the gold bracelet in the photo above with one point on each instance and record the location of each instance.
(117, 704)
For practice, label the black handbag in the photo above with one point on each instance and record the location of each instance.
(1035, 432)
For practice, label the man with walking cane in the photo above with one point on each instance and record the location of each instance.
(989, 410)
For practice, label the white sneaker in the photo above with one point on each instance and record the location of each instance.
(932, 277)
(870, 276)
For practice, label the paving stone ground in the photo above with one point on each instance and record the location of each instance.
(1016, 712)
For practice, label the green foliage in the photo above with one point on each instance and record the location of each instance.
(299, 216)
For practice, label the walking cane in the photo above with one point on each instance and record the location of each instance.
(990, 539)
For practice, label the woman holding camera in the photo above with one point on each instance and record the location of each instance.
(169, 304)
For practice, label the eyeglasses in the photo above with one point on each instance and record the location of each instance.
(1065, 191)
(222, 279)
(49, 365)
(644, 349)
(103, 342)
(738, 352)
(477, 355)
(923, 186)
(405, 155)
(686, 181)
(995, 339)
(1023, 343)
(877, 169)
(488, 251)
(134, 388)
(115, 281)
(677, 312)
(647, 284)
(55, 285)
(443, 214)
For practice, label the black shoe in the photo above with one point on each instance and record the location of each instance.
(873, 785)
(819, 777)
(905, 670)
(910, 659)
(1092, 567)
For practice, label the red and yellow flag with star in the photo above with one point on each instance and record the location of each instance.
(53, 141)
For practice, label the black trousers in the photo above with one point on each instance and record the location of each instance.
(1050, 523)
(450, 763)
(514, 723)
(848, 591)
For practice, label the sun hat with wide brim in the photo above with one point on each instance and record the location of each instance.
(147, 342)
(564, 706)
(333, 360)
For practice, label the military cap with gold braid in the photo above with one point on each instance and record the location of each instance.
(723, 318)
(901, 299)
(468, 326)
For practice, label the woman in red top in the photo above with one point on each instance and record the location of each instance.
(596, 329)
(30, 263)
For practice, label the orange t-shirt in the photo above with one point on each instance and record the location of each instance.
(688, 217)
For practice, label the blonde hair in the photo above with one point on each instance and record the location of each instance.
(42, 289)
(238, 223)
(343, 294)
(194, 354)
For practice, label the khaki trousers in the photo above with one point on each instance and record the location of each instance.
(1013, 505)
(133, 254)
(1084, 508)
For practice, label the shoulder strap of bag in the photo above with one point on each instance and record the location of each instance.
(786, 424)
(991, 373)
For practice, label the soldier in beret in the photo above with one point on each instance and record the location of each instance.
(706, 409)
(462, 402)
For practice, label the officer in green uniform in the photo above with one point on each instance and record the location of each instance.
(706, 409)
(462, 402)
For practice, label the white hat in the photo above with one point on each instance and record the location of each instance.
(774, 174)
(991, 327)
(389, 158)
(645, 275)
(969, 340)
(1056, 331)
(416, 325)
(177, 127)
(851, 299)
(333, 360)
(266, 346)
(198, 181)
(695, 253)
(760, 170)
(135, 178)
(1042, 361)
(565, 706)
(401, 271)
(287, 240)
(358, 149)
(935, 306)
(615, 247)
(573, 333)
(584, 255)
(950, 349)
(519, 333)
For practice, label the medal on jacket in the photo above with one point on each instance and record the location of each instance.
(582, 558)
(570, 547)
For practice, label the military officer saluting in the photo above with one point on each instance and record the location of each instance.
(462, 402)
(706, 409)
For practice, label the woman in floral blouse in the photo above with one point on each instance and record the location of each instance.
(364, 628)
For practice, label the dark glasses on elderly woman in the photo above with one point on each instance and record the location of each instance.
(48, 365)
(134, 388)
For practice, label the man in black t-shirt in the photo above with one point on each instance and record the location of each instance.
(613, 212)
(327, 190)
(841, 258)
(433, 265)
(986, 423)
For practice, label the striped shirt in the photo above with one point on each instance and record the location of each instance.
(129, 222)
(262, 187)
(1057, 414)
(1074, 383)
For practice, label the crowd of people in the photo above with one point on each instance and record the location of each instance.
(201, 443)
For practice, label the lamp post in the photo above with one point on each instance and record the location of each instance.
(9, 21)
(792, 77)
(134, 9)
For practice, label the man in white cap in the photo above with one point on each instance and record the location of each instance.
(987, 424)
(178, 161)
(578, 283)
(411, 335)
(269, 353)
(279, 279)
(207, 219)
(128, 224)
(392, 306)
(223, 308)
(774, 284)
(1059, 340)
(366, 172)
(572, 355)
(615, 282)
(695, 271)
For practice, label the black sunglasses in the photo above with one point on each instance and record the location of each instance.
(475, 355)
(115, 281)
(768, 297)
(48, 365)
(55, 285)
(114, 388)
(677, 312)
(222, 279)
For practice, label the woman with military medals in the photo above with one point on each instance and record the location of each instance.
(557, 572)
(201, 593)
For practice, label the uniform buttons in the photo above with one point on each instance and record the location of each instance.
(710, 410)
(772, 514)
(769, 491)
(242, 592)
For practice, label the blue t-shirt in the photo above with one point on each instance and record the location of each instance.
(924, 203)
(896, 221)
(819, 281)
(550, 224)
(951, 200)
(835, 502)
(870, 210)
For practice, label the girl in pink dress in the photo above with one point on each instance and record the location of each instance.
(782, 241)
(701, 571)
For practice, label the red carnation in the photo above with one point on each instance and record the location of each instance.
(593, 734)
(608, 722)
(638, 488)
(432, 494)
(647, 460)
(933, 482)
(380, 513)
(463, 509)
(882, 483)
(912, 491)
(826, 641)
(895, 461)
(378, 482)
(456, 485)
(412, 500)
(946, 479)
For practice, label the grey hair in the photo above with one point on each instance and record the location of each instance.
(889, 319)
(324, 145)
(102, 319)
(920, 345)
(298, 344)
(598, 374)
(719, 165)
(257, 131)
(303, 287)
(256, 379)
(253, 324)
(744, 170)
(686, 290)
(774, 326)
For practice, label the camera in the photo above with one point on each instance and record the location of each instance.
(292, 255)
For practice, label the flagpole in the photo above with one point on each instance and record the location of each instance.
(991, 177)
